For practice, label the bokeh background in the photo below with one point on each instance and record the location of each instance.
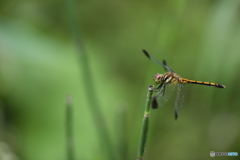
(40, 64)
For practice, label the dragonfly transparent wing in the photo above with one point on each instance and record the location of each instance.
(156, 61)
(165, 64)
(163, 94)
(181, 93)
(159, 92)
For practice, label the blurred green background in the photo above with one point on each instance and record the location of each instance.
(40, 66)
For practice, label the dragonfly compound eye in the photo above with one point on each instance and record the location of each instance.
(157, 78)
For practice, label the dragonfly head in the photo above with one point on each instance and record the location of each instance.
(158, 78)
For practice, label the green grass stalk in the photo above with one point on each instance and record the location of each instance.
(144, 131)
(91, 96)
(122, 130)
(69, 129)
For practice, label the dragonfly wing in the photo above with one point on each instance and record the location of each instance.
(156, 61)
(154, 103)
(165, 63)
(179, 99)
(163, 94)
(160, 90)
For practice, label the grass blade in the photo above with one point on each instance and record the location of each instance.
(69, 129)
(91, 96)
(144, 131)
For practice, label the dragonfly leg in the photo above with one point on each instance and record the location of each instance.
(157, 88)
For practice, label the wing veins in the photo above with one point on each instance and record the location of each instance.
(156, 61)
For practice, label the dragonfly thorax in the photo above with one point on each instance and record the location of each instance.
(166, 78)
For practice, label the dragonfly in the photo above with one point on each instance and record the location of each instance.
(171, 78)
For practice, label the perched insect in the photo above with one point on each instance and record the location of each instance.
(171, 78)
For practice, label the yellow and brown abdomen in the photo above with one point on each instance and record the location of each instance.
(184, 80)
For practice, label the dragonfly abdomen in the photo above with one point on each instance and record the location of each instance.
(183, 80)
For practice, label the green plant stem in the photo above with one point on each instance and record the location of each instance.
(69, 129)
(144, 131)
(122, 130)
(90, 92)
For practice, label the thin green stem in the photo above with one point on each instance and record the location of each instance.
(69, 129)
(144, 131)
(122, 130)
(91, 96)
